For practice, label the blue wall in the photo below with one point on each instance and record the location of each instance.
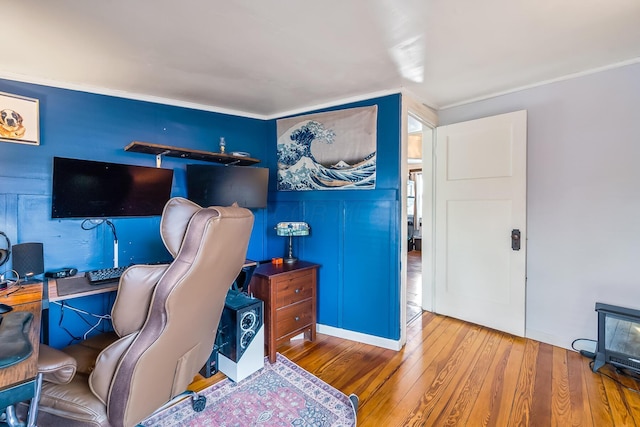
(95, 127)
(354, 233)
(354, 236)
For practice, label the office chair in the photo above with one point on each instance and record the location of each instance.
(165, 319)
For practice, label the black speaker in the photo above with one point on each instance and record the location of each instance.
(241, 319)
(28, 259)
(4, 253)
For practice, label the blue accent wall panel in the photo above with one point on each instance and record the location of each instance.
(354, 236)
(325, 215)
(257, 241)
(370, 281)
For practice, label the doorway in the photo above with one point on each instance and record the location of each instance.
(416, 265)
(489, 150)
(415, 188)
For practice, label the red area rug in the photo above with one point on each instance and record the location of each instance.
(282, 394)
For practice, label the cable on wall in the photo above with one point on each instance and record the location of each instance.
(90, 224)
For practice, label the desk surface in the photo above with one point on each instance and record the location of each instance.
(100, 289)
(28, 298)
(269, 269)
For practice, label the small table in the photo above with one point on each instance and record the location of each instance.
(21, 381)
(289, 295)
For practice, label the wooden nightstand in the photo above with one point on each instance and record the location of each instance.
(289, 295)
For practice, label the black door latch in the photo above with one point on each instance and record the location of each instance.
(515, 239)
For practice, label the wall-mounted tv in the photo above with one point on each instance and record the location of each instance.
(211, 185)
(92, 189)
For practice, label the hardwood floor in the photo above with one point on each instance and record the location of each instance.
(455, 373)
(414, 284)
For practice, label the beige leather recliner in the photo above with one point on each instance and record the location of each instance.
(165, 319)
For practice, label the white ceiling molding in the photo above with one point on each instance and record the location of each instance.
(337, 102)
(126, 95)
(546, 82)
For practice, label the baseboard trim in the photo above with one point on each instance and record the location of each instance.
(547, 338)
(359, 337)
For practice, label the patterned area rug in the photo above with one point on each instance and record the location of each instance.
(282, 394)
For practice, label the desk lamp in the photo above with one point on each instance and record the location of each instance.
(290, 229)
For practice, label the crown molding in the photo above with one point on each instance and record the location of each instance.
(335, 103)
(177, 103)
(545, 82)
(126, 95)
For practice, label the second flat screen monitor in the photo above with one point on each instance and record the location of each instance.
(209, 185)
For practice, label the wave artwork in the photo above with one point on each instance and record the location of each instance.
(334, 150)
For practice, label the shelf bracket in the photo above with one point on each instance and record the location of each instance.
(159, 158)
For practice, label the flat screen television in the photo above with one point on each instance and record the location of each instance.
(92, 189)
(210, 185)
(618, 337)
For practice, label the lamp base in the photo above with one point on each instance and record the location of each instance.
(290, 259)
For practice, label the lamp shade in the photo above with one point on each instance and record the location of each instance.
(292, 229)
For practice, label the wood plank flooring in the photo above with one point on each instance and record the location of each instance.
(453, 373)
(414, 284)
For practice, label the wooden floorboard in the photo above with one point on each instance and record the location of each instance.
(453, 373)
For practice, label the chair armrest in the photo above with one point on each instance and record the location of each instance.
(56, 366)
(86, 352)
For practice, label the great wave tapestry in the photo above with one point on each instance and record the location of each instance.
(326, 151)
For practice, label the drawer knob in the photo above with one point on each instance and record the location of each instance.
(297, 318)
(297, 291)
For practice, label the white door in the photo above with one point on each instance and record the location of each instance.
(481, 170)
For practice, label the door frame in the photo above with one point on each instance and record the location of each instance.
(428, 116)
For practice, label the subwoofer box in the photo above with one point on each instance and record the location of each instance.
(239, 347)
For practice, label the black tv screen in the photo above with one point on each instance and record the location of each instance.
(210, 185)
(91, 189)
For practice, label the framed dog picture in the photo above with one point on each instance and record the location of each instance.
(19, 119)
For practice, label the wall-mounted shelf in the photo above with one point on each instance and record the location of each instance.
(159, 150)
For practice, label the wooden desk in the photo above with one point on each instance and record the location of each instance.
(108, 287)
(84, 289)
(98, 289)
(29, 298)
(21, 381)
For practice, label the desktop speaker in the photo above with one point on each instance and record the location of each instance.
(28, 259)
(239, 345)
(241, 319)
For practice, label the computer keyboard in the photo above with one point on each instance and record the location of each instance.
(105, 275)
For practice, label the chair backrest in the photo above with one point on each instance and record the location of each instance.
(178, 333)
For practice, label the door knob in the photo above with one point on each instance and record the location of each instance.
(515, 239)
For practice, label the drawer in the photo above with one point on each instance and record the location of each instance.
(294, 317)
(294, 288)
(294, 276)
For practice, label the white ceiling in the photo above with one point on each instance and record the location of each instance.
(266, 58)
